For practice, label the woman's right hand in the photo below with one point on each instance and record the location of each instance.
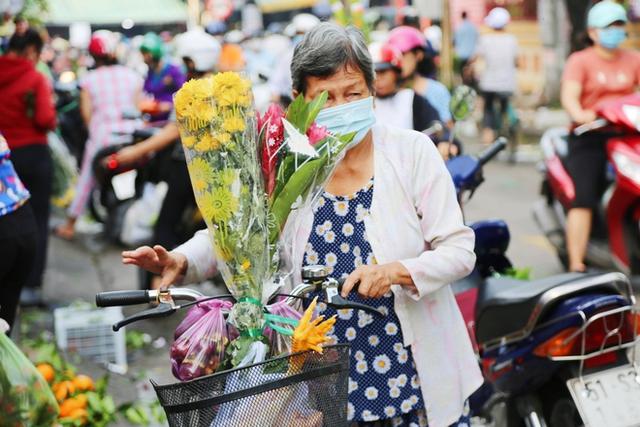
(171, 266)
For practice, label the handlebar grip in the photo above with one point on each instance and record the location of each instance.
(341, 283)
(499, 145)
(118, 298)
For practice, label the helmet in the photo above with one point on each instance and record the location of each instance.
(498, 18)
(153, 44)
(231, 58)
(302, 23)
(605, 13)
(202, 48)
(103, 43)
(407, 38)
(385, 56)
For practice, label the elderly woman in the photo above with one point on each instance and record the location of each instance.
(388, 219)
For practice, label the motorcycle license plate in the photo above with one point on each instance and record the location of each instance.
(124, 185)
(608, 398)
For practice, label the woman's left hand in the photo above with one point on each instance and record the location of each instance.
(373, 281)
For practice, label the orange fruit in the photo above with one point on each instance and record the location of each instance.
(79, 414)
(47, 371)
(63, 389)
(83, 383)
(71, 404)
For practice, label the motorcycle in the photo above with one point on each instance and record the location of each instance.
(71, 126)
(615, 236)
(553, 352)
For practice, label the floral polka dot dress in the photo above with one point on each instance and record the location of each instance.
(383, 383)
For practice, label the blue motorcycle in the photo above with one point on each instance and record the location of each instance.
(555, 352)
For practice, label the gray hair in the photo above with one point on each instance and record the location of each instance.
(325, 50)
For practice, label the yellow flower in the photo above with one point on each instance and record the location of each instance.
(246, 264)
(188, 141)
(207, 143)
(218, 205)
(223, 138)
(231, 89)
(233, 123)
(311, 334)
(227, 177)
(201, 172)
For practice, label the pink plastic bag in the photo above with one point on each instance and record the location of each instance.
(200, 341)
(278, 343)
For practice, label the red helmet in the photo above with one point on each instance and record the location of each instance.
(385, 56)
(407, 38)
(103, 43)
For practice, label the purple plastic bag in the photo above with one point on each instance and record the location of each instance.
(200, 340)
(278, 343)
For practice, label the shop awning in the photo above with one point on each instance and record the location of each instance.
(113, 12)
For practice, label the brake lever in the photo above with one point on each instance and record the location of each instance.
(161, 310)
(335, 300)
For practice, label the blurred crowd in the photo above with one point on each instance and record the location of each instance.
(92, 94)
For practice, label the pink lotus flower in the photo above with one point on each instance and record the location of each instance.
(272, 129)
(316, 133)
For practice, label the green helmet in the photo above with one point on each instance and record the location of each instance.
(153, 44)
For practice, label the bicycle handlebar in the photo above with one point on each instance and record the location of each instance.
(499, 145)
(118, 298)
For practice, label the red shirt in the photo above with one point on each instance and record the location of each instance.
(27, 112)
(601, 79)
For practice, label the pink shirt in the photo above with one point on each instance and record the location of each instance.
(601, 79)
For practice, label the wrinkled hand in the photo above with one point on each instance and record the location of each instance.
(374, 281)
(170, 266)
(128, 155)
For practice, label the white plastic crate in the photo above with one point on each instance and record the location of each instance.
(87, 332)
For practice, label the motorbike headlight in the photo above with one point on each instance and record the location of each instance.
(627, 166)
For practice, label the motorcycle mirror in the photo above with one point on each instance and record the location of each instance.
(463, 102)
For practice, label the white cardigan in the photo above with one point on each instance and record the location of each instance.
(415, 219)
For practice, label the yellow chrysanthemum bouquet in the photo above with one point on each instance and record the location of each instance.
(247, 174)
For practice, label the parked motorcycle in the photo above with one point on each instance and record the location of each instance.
(552, 351)
(615, 236)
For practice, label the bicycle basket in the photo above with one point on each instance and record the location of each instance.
(266, 394)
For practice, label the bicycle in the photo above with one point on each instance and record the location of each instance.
(266, 393)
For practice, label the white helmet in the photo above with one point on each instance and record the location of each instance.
(202, 48)
(302, 23)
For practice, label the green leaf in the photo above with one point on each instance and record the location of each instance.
(101, 385)
(95, 402)
(297, 112)
(136, 416)
(108, 405)
(314, 108)
(297, 184)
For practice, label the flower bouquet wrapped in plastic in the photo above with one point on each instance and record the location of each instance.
(248, 173)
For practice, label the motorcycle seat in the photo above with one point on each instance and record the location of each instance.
(508, 307)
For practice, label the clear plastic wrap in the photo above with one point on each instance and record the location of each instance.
(25, 397)
(200, 341)
(248, 174)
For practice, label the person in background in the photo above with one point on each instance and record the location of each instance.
(200, 53)
(417, 66)
(498, 51)
(106, 93)
(18, 235)
(280, 81)
(27, 113)
(396, 106)
(592, 76)
(465, 41)
(163, 78)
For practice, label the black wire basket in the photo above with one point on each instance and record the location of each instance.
(301, 390)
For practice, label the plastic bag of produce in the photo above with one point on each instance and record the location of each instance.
(200, 341)
(25, 397)
(65, 171)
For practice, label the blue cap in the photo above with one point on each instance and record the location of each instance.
(606, 13)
